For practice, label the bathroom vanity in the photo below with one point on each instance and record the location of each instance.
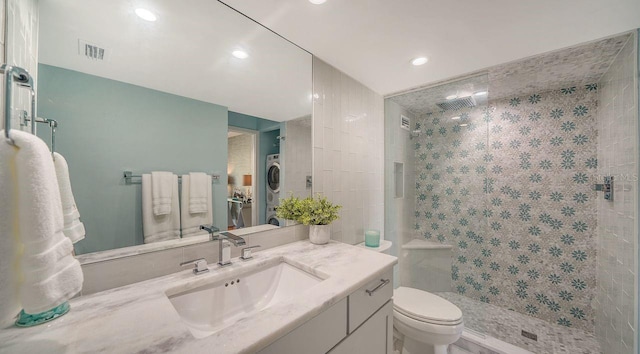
(297, 298)
(359, 323)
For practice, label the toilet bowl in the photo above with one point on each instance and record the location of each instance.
(425, 323)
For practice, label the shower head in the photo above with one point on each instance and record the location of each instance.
(414, 134)
(458, 103)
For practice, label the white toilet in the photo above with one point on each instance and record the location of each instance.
(423, 322)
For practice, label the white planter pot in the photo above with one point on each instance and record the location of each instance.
(288, 222)
(319, 234)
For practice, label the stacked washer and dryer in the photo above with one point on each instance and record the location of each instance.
(273, 188)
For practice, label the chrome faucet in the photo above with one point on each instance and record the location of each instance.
(224, 258)
(235, 239)
(210, 229)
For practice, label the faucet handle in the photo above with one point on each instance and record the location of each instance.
(246, 252)
(209, 228)
(200, 265)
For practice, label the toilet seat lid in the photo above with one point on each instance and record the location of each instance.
(424, 306)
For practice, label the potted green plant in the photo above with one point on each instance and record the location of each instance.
(316, 212)
(290, 209)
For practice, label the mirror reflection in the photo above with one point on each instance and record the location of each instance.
(218, 103)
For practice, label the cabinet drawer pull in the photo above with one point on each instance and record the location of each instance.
(383, 282)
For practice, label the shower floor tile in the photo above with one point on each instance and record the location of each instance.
(507, 325)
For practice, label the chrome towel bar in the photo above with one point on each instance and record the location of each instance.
(53, 125)
(129, 176)
(20, 77)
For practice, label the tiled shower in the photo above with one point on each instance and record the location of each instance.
(508, 181)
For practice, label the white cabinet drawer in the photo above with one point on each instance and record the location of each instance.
(365, 301)
(375, 336)
(317, 335)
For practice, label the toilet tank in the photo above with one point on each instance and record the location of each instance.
(425, 265)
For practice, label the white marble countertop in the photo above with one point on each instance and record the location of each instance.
(139, 318)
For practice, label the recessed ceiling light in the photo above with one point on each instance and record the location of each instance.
(419, 61)
(317, 2)
(464, 124)
(451, 97)
(146, 14)
(240, 54)
(480, 93)
(455, 118)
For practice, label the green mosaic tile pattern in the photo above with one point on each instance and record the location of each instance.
(512, 193)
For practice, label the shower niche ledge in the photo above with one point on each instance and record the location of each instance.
(418, 244)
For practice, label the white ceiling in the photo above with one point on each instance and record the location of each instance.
(374, 40)
(186, 52)
(575, 66)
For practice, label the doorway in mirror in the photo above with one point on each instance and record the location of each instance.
(242, 151)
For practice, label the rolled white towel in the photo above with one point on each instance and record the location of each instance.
(191, 222)
(9, 237)
(51, 275)
(159, 227)
(73, 227)
(200, 186)
(162, 192)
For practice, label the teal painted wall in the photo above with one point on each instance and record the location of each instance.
(107, 126)
(268, 144)
(240, 120)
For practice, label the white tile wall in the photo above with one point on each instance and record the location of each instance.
(2, 56)
(296, 158)
(348, 151)
(10, 304)
(617, 265)
(22, 43)
(21, 48)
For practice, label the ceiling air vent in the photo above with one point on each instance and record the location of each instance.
(457, 103)
(405, 123)
(91, 51)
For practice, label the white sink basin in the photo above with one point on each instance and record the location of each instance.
(212, 307)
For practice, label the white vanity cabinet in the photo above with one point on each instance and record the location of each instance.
(360, 323)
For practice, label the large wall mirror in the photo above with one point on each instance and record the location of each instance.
(199, 88)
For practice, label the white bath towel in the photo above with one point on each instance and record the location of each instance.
(162, 192)
(8, 234)
(191, 222)
(50, 275)
(198, 195)
(73, 227)
(159, 227)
